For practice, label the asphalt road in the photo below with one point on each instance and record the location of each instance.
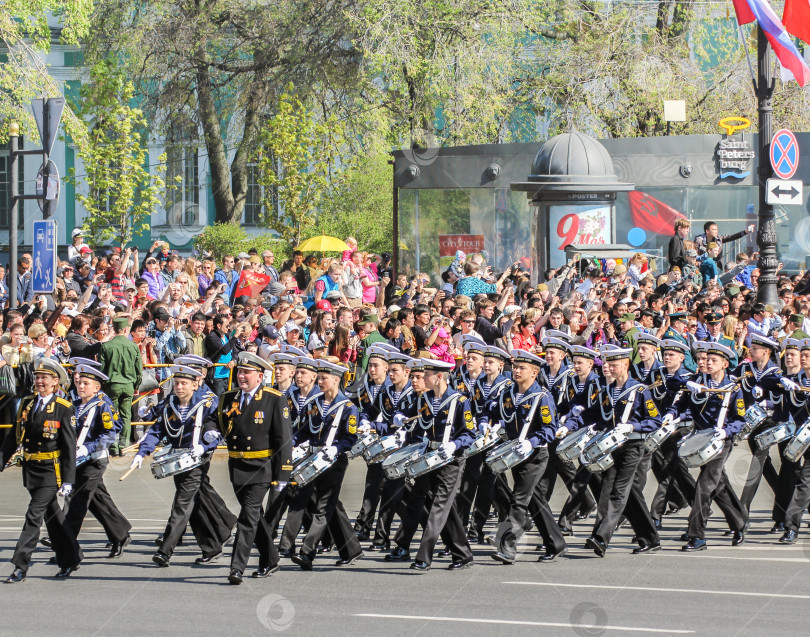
(759, 588)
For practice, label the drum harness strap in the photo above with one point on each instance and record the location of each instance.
(448, 427)
(86, 424)
(335, 422)
(721, 418)
(530, 417)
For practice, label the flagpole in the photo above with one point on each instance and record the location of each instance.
(766, 233)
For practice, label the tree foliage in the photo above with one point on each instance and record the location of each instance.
(117, 190)
(222, 239)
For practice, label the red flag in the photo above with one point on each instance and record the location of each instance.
(744, 13)
(251, 284)
(797, 18)
(650, 214)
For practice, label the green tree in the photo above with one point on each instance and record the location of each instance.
(117, 191)
(298, 164)
(24, 38)
(227, 238)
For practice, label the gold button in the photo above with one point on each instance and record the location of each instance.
(248, 437)
(247, 449)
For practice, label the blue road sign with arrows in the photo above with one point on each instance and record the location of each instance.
(43, 270)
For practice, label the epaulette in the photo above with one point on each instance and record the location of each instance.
(63, 402)
(275, 392)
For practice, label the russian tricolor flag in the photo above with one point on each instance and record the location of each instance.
(791, 61)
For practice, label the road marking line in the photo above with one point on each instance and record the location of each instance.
(511, 622)
(650, 589)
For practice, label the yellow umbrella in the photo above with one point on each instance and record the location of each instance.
(323, 243)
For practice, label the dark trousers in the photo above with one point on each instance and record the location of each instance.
(526, 477)
(391, 498)
(470, 485)
(91, 493)
(45, 507)
(211, 520)
(187, 489)
(328, 513)
(801, 497)
(713, 484)
(251, 527)
(785, 485)
(375, 478)
(675, 483)
(565, 470)
(621, 495)
(583, 479)
(437, 491)
(761, 466)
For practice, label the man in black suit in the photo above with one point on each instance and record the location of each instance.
(255, 423)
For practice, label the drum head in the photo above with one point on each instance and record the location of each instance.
(696, 443)
(573, 439)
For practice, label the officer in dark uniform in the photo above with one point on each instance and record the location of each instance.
(255, 424)
(46, 431)
(97, 425)
(526, 412)
(366, 397)
(181, 420)
(627, 406)
(445, 422)
(329, 426)
(725, 413)
(211, 521)
(584, 397)
(675, 332)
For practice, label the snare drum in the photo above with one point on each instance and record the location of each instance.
(797, 447)
(433, 459)
(394, 464)
(505, 456)
(482, 443)
(174, 462)
(699, 448)
(602, 444)
(755, 415)
(657, 437)
(774, 435)
(311, 468)
(360, 447)
(597, 465)
(572, 445)
(382, 448)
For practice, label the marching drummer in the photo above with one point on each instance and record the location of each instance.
(284, 372)
(627, 407)
(724, 412)
(799, 407)
(211, 521)
(582, 403)
(180, 419)
(366, 398)
(97, 426)
(675, 483)
(255, 423)
(526, 412)
(46, 431)
(395, 398)
(445, 422)
(478, 482)
(648, 369)
(463, 379)
(761, 382)
(329, 425)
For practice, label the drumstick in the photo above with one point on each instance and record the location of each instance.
(275, 484)
(123, 477)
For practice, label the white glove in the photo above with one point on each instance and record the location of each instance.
(483, 427)
(625, 428)
(667, 418)
(562, 432)
(137, 461)
(211, 436)
(331, 452)
(280, 486)
(365, 426)
(722, 434)
(694, 387)
(198, 450)
(448, 449)
(400, 436)
(790, 385)
(525, 447)
(494, 427)
(81, 451)
(399, 420)
(576, 410)
(298, 453)
(66, 489)
(143, 410)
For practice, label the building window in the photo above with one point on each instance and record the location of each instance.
(253, 200)
(184, 195)
(5, 190)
